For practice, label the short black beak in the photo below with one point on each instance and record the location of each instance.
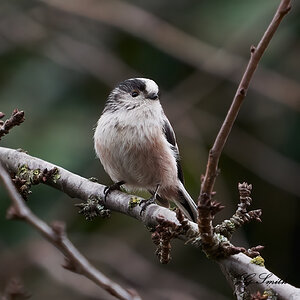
(152, 96)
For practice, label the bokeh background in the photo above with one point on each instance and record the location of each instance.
(58, 62)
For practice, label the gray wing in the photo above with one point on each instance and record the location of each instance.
(170, 136)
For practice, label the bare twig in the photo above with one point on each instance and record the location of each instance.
(105, 250)
(79, 187)
(56, 235)
(16, 119)
(256, 54)
(204, 200)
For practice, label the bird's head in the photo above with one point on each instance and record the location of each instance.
(132, 93)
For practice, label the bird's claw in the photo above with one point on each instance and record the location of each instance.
(113, 187)
(145, 203)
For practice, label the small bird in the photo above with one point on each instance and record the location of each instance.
(136, 145)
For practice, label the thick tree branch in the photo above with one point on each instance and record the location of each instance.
(256, 278)
(56, 235)
(78, 187)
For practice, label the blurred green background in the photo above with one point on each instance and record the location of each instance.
(58, 62)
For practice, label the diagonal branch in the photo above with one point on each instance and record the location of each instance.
(78, 187)
(256, 54)
(56, 235)
(205, 205)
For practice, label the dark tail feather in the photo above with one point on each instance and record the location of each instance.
(187, 204)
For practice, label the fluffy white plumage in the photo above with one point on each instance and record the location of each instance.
(136, 143)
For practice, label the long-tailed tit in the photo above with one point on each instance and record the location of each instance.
(137, 147)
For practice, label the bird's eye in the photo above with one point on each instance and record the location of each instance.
(134, 94)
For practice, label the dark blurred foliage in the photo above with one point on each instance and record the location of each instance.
(59, 65)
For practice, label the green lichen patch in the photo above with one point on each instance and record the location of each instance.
(270, 294)
(134, 201)
(92, 208)
(258, 260)
(26, 177)
(55, 176)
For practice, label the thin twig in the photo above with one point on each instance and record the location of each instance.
(56, 235)
(206, 207)
(256, 54)
(166, 285)
(16, 118)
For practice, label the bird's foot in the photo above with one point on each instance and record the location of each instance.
(145, 203)
(113, 187)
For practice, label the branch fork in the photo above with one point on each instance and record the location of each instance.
(207, 232)
(215, 241)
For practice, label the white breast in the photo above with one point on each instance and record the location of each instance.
(132, 147)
